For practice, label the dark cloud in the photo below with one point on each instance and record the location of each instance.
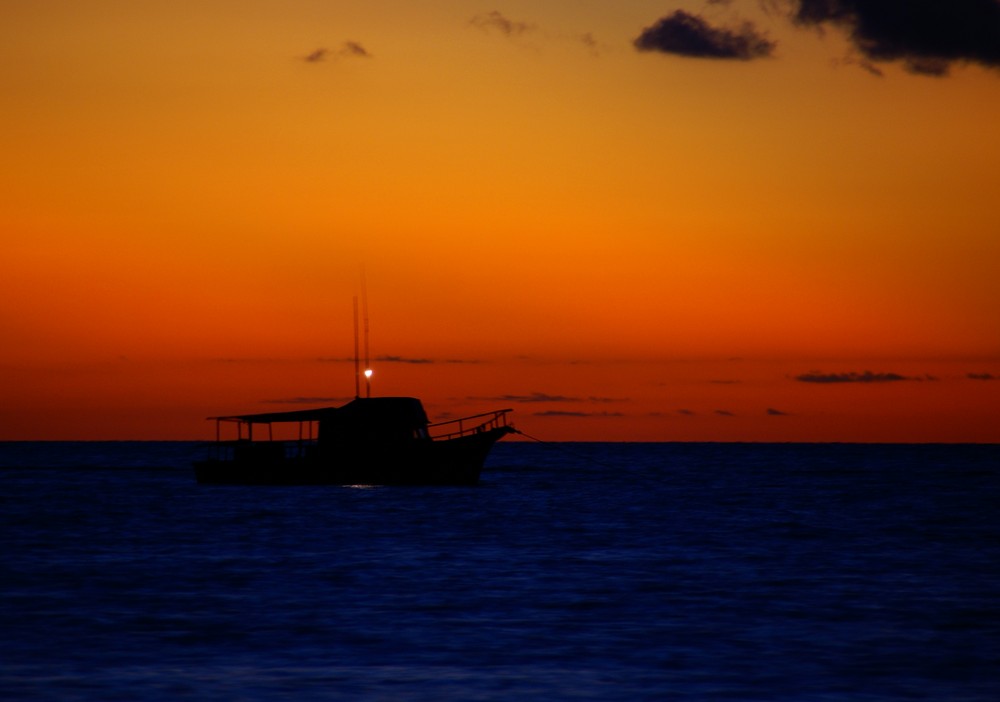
(686, 412)
(724, 413)
(981, 376)
(353, 48)
(488, 21)
(347, 49)
(771, 412)
(317, 56)
(927, 35)
(866, 377)
(689, 35)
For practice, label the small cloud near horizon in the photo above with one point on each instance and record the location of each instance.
(567, 413)
(771, 412)
(684, 34)
(387, 358)
(545, 397)
(982, 376)
(853, 377)
(306, 400)
(724, 413)
(533, 397)
(402, 359)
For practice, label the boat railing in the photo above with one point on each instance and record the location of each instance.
(474, 424)
(227, 450)
(250, 445)
(245, 443)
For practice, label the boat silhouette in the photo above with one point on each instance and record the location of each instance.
(368, 441)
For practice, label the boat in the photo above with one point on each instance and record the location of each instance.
(367, 441)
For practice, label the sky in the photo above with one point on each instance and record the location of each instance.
(760, 220)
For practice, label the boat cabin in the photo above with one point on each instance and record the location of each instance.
(361, 423)
(377, 441)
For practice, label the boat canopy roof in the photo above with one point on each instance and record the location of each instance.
(405, 411)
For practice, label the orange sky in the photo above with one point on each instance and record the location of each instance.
(619, 244)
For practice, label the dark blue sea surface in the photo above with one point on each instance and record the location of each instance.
(573, 572)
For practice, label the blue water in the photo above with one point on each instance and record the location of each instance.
(573, 572)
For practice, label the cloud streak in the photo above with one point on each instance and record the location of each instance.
(347, 49)
(495, 20)
(353, 48)
(852, 377)
(567, 413)
(684, 34)
(403, 359)
(545, 397)
(533, 397)
(593, 46)
(307, 400)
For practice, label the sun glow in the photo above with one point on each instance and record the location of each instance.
(620, 243)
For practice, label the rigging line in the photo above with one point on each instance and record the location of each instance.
(529, 436)
(559, 447)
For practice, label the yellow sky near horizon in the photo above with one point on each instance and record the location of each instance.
(565, 214)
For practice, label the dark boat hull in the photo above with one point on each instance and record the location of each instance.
(457, 461)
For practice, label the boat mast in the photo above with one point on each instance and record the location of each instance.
(357, 358)
(364, 312)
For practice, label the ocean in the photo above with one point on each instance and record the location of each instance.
(574, 571)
